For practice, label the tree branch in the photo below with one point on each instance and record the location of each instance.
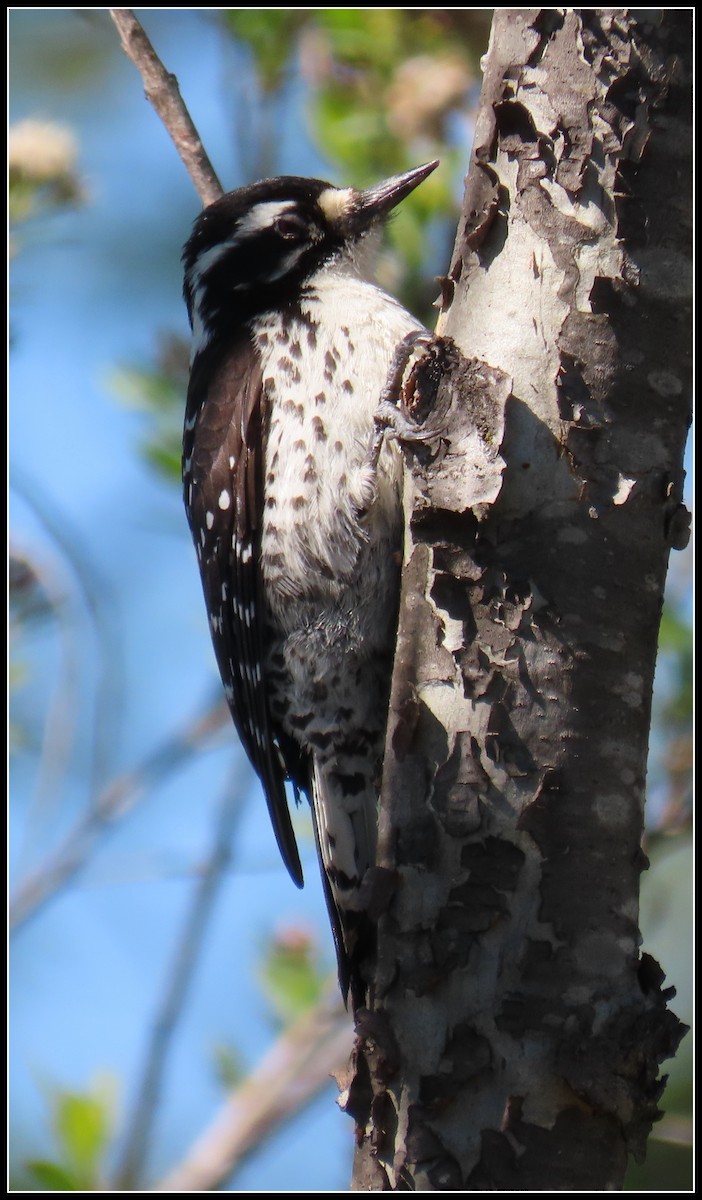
(162, 91)
(139, 1133)
(290, 1075)
(116, 800)
(87, 589)
(58, 733)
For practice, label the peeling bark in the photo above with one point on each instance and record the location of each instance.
(514, 1032)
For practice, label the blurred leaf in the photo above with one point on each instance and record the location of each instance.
(675, 632)
(82, 1125)
(676, 642)
(54, 1177)
(270, 34)
(672, 756)
(289, 974)
(79, 50)
(148, 390)
(166, 458)
(386, 78)
(668, 1168)
(228, 1066)
(159, 392)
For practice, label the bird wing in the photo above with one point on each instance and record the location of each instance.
(223, 452)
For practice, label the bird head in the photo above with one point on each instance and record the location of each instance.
(256, 247)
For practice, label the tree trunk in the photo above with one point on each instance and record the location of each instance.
(514, 1032)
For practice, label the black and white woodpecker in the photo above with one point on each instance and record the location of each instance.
(293, 495)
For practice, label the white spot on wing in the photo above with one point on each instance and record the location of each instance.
(624, 489)
(224, 499)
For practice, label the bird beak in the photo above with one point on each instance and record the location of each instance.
(381, 199)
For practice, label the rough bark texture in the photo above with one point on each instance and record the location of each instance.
(514, 1033)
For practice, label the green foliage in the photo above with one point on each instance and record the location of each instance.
(228, 1067)
(379, 79)
(675, 641)
(380, 94)
(82, 1125)
(65, 49)
(672, 754)
(382, 87)
(52, 1177)
(269, 34)
(159, 392)
(290, 976)
(668, 1168)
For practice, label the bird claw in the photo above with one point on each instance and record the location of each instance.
(388, 418)
(399, 387)
(392, 392)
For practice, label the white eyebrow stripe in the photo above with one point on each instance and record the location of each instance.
(260, 217)
(263, 215)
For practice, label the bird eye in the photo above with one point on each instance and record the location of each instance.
(290, 227)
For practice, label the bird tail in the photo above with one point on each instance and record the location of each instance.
(345, 815)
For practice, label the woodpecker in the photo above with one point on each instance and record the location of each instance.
(292, 492)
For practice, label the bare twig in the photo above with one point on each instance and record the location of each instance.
(133, 1158)
(674, 1129)
(90, 592)
(162, 91)
(58, 733)
(114, 802)
(293, 1071)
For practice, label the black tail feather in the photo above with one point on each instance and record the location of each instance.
(354, 940)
